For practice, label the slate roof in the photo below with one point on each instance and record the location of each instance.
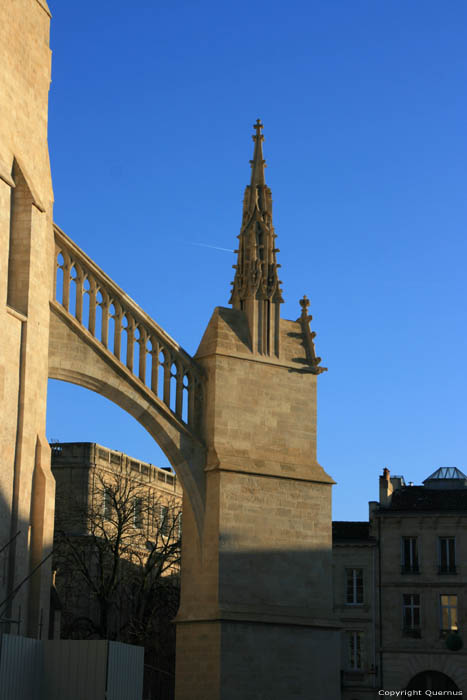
(420, 498)
(350, 530)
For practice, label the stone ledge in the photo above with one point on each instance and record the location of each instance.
(16, 314)
(262, 619)
(319, 477)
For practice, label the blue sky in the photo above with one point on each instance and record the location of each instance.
(363, 104)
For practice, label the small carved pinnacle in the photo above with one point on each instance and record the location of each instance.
(309, 337)
(305, 303)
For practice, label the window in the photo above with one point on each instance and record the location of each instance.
(448, 605)
(138, 513)
(354, 650)
(354, 586)
(447, 555)
(164, 520)
(107, 503)
(409, 555)
(411, 614)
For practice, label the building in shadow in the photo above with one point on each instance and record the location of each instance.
(400, 588)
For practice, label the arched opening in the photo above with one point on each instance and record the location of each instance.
(161, 372)
(59, 278)
(184, 451)
(186, 386)
(173, 386)
(86, 303)
(150, 366)
(432, 680)
(112, 331)
(98, 317)
(76, 415)
(74, 290)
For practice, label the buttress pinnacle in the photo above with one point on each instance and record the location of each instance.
(256, 286)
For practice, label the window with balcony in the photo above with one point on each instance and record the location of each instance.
(409, 555)
(354, 586)
(448, 614)
(447, 555)
(354, 650)
(411, 615)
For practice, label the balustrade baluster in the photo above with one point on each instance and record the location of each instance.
(142, 340)
(118, 330)
(154, 364)
(92, 305)
(179, 391)
(58, 252)
(167, 376)
(66, 281)
(130, 342)
(191, 400)
(79, 282)
(105, 319)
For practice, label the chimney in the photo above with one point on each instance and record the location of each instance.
(385, 488)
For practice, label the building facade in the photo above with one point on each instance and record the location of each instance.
(355, 605)
(400, 588)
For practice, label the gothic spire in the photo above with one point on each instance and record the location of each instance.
(256, 286)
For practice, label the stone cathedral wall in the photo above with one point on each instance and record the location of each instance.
(26, 240)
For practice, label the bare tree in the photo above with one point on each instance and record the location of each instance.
(117, 556)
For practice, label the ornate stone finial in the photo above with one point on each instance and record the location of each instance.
(309, 337)
(305, 303)
(257, 165)
(258, 125)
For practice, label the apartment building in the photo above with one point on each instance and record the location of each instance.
(400, 588)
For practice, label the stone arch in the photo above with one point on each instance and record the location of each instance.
(448, 664)
(77, 358)
(432, 680)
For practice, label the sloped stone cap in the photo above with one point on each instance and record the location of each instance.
(228, 334)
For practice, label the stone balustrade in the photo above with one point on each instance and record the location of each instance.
(121, 326)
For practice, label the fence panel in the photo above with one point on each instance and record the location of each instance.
(21, 668)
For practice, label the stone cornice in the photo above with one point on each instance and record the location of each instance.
(261, 359)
